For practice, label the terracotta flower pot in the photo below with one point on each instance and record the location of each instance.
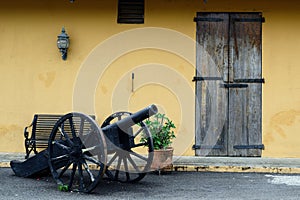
(162, 158)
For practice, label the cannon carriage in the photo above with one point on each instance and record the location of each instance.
(79, 152)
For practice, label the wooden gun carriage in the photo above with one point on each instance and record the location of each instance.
(78, 152)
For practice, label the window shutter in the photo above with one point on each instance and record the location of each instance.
(131, 11)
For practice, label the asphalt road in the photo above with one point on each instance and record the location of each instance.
(176, 185)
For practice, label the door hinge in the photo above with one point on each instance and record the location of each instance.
(234, 85)
(259, 146)
(262, 19)
(207, 19)
(250, 80)
(196, 147)
(200, 78)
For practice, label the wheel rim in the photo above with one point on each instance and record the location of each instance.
(130, 164)
(77, 153)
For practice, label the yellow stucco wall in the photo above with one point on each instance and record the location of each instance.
(34, 79)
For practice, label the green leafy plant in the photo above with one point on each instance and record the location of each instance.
(162, 131)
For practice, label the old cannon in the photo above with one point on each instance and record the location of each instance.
(78, 152)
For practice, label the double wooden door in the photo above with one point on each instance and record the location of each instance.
(229, 84)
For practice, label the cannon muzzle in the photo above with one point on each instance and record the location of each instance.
(133, 119)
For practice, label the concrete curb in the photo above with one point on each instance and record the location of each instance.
(237, 164)
(238, 169)
(4, 164)
(5, 158)
(211, 164)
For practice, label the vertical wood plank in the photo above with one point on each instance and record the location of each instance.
(245, 104)
(211, 99)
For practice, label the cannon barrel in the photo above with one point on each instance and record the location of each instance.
(133, 119)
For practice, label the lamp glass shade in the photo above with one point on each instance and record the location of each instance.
(62, 43)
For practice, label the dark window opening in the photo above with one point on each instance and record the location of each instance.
(131, 11)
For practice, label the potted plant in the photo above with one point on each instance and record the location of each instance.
(162, 131)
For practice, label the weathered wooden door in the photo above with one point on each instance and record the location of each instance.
(228, 84)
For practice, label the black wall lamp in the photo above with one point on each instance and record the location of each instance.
(63, 43)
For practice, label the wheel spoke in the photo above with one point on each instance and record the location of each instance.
(133, 164)
(116, 177)
(113, 159)
(81, 180)
(125, 164)
(90, 148)
(93, 160)
(72, 127)
(66, 136)
(118, 168)
(59, 158)
(60, 145)
(138, 132)
(86, 137)
(65, 169)
(127, 176)
(86, 167)
(109, 174)
(72, 175)
(126, 168)
(60, 130)
(138, 155)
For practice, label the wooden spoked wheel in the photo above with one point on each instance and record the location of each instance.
(77, 153)
(129, 164)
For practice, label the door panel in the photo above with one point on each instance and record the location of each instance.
(245, 102)
(211, 99)
(228, 84)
